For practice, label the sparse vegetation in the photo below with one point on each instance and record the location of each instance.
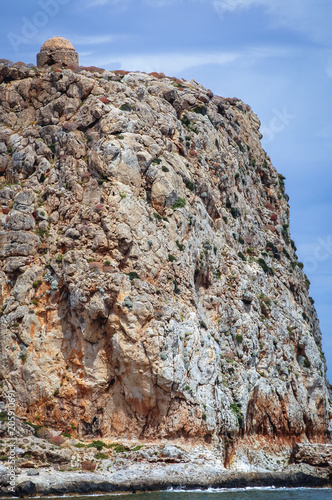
(199, 109)
(190, 185)
(34, 426)
(180, 246)
(133, 276)
(235, 212)
(59, 258)
(239, 338)
(157, 216)
(125, 107)
(180, 203)
(42, 232)
(242, 257)
(3, 416)
(237, 412)
(188, 124)
(119, 448)
(306, 363)
(265, 299)
(138, 447)
(97, 444)
(268, 270)
(305, 317)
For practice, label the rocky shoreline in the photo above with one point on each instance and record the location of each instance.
(76, 467)
(180, 476)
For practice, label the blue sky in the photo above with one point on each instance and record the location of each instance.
(275, 55)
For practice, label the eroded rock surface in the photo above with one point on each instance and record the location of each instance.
(149, 286)
(317, 455)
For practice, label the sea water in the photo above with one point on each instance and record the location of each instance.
(225, 494)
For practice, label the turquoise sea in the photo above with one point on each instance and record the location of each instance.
(229, 494)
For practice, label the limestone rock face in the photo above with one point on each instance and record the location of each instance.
(148, 283)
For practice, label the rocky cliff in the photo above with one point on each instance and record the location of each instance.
(149, 287)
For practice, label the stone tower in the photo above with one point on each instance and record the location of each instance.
(57, 50)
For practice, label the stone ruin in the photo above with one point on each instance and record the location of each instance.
(57, 50)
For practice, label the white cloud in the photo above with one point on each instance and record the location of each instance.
(170, 64)
(177, 63)
(96, 39)
(223, 6)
